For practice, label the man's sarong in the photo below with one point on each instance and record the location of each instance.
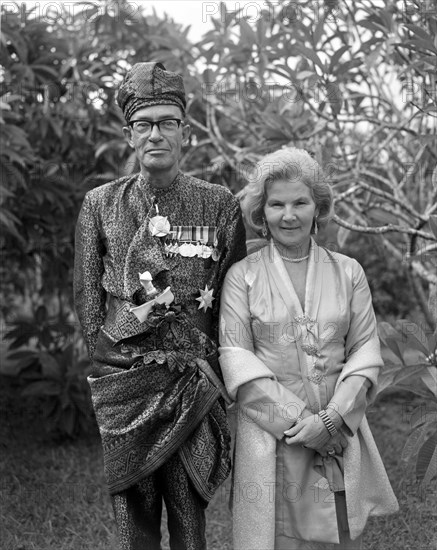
(147, 411)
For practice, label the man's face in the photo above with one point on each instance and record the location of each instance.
(158, 151)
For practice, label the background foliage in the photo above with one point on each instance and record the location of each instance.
(352, 83)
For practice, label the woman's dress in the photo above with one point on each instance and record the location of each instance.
(278, 359)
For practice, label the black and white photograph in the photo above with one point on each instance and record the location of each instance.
(218, 319)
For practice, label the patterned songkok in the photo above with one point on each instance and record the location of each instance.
(147, 84)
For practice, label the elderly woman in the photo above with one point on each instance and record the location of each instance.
(300, 356)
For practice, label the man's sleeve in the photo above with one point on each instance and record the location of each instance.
(89, 295)
(234, 243)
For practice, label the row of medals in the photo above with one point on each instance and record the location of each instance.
(159, 226)
(191, 249)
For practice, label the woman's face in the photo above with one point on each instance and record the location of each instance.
(289, 212)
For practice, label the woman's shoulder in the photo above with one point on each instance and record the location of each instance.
(349, 265)
(251, 262)
(337, 256)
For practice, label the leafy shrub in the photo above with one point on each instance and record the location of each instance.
(51, 364)
(411, 364)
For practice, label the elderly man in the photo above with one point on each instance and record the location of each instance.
(152, 250)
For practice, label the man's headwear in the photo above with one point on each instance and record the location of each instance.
(147, 84)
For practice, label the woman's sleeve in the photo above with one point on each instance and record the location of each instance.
(249, 381)
(353, 393)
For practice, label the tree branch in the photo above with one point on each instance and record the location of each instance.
(416, 266)
(390, 228)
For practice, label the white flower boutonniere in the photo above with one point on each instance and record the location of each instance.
(141, 312)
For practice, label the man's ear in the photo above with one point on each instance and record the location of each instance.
(128, 135)
(186, 132)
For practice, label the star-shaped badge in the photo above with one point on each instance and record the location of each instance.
(205, 298)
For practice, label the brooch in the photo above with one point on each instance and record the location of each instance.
(205, 298)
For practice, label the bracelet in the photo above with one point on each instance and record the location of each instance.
(328, 422)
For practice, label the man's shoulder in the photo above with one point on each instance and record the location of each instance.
(111, 189)
(211, 189)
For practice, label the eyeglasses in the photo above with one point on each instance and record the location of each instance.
(165, 126)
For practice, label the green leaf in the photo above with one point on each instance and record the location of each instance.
(413, 443)
(368, 24)
(420, 32)
(42, 388)
(345, 67)
(310, 54)
(426, 465)
(419, 45)
(248, 35)
(23, 357)
(409, 372)
(433, 224)
(12, 366)
(335, 97)
(111, 145)
(429, 378)
(420, 415)
(50, 407)
(412, 335)
(402, 342)
(385, 378)
(50, 367)
(318, 31)
(336, 57)
(67, 421)
(412, 387)
(41, 315)
(395, 346)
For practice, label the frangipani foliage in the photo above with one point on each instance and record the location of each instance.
(60, 128)
(410, 358)
(353, 82)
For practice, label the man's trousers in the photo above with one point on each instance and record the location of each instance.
(138, 511)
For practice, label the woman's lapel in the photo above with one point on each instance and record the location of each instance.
(314, 281)
(313, 295)
(281, 280)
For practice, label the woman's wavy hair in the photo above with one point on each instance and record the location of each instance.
(285, 164)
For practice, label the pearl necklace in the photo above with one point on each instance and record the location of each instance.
(294, 260)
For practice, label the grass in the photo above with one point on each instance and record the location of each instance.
(53, 494)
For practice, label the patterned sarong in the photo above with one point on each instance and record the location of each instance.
(148, 408)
